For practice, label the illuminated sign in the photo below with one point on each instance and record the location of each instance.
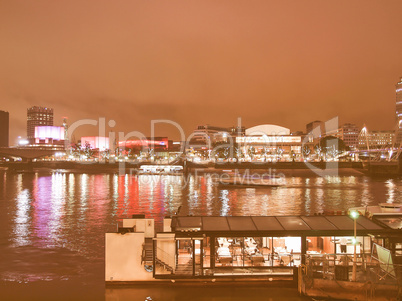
(49, 132)
(269, 139)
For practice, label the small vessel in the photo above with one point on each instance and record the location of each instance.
(380, 209)
(160, 169)
(390, 208)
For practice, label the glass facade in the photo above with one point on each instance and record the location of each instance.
(265, 245)
(256, 255)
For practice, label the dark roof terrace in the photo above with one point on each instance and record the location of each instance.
(277, 225)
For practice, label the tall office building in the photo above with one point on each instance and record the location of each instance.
(38, 116)
(399, 110)
(316, 127)
(350, 135)
(348, 132)
(315, 130)
(4, 128)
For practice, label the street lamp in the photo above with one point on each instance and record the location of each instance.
(354, 215)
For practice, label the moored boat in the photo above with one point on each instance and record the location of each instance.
(380, 209)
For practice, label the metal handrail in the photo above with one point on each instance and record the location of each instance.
(165, 258)
(325, 265)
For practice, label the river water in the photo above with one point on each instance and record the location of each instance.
(52, 225)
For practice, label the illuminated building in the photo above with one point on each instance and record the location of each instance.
(268, 130)
(4, 128)
(38, 116)
(399, 109)
(157, 143)
(48, 136)
(315, 129)
(152, 148)
(269, 142)
(350, 135)
(95, 142)
(49, 133)
(348, 132)
(207, 135)
(377, 139)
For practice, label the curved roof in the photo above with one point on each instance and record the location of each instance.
(267, 129)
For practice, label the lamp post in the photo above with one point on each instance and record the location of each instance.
(354, 215)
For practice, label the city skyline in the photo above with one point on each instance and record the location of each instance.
(202, 63)
(95, 130)
(204, 150)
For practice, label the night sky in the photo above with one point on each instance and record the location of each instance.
(285, 62)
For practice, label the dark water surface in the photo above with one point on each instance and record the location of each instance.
(52, 225)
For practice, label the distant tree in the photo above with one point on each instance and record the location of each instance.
(292, 155)
(88, 150)
(331, 144)
(105, 154)
(306, 151)
(279, 152)
(318, 151)
(251, 152)
(221, 150)
(237, 152)
(265, 152)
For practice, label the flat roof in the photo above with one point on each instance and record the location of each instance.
(333, 224)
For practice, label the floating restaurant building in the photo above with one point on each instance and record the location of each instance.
(249, 248)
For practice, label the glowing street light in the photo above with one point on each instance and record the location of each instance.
(354, 214)
(23, 142)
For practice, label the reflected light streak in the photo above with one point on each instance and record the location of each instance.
(365, 194)
(71, 187)
(390, 191)
(307, 204)
(22, 220)
(84, 192)
(57, 201)
(224, 203)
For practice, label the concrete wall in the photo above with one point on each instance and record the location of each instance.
(167, 224)
(123, 257)
(145, 225)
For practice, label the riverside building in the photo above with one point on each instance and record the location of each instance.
(233, 248)
(348, 133)
(377, 139)
(269, 142)
(4, 128)
(38, 116)
(205, 136)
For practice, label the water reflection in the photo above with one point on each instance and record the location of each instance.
(22, 219)
(67, 214)
(391, 190)
(224, 203)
